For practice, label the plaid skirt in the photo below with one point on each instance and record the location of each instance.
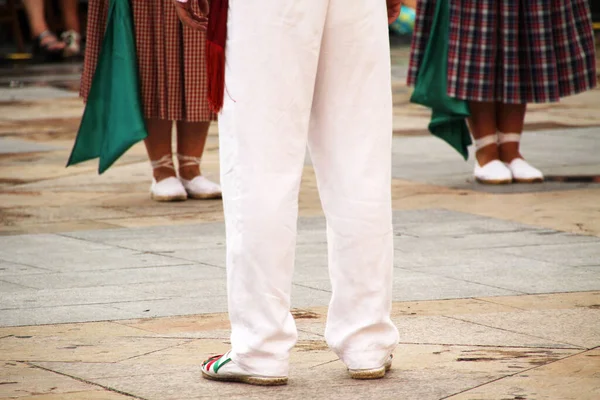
(173, 79)
(512, 51)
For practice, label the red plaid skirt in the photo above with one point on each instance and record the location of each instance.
(173, 80)
(512, 51)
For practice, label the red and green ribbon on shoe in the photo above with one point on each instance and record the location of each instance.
(216, 362)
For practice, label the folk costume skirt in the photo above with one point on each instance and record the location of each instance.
(173, 79)
(512, 51)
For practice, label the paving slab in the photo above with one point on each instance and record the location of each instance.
(554, 301)
(10, 268)
(571, 254)
(408, 238)
(20, 380)
(450, 330)
(60, 315)
(34, 93)
(75, 331)
(578, 327)
(11, 146)
(90, 349)
(430, 160)
(60, 280)
(87, 395)
(442, 353)
(572, 378)
(99, 295)
(108, 258)
(521, 275)
(178, 269)
(417, 285)
(421, 372)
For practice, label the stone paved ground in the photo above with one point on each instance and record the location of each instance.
(105, 294)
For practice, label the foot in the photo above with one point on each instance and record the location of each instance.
(201, 188)
(72, 42)
(523, 172)
(374, 373)
(197, 186)
(492, 173)
(169, 189)
(224, 369)
(48, 46)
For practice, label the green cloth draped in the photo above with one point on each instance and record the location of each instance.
(448, 118)
(113, 120)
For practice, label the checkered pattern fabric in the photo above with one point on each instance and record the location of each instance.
(512, 51)
(171, 61)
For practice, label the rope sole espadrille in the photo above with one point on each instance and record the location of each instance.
(224, 369)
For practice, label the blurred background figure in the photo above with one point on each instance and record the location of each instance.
(47, 45)
(405, 23)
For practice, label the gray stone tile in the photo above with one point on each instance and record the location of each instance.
(303, 296)
(524, 275)
(185, 288)
(204, 255)
(308, 254)
(12, 146)
(200, 232)
(572, 254)
(490, 232)
(201, 297)
(99, 295)
(34, 93)
(306, 236)
(412, 285)
(119, 277)
(63, 314)
(174, 306)
(97, 370)
(415, 259)
(9, 288)
(579, 327)
(314, 224)
(179, 269)
(411, 217)
(86, 259)
(309, 269)
(41, 243)
(169, 245)
(10, 268)
(444, 330)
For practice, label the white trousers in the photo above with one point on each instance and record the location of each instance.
(313, 72)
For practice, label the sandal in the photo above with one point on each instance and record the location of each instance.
(374, 373)
(199, 187)
(48, 47)
(223, 368)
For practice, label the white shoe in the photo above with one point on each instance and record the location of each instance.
(169, 189)
(202, 188)
(523, 172)
(493, 173)
(72, 41)
(224, 369)
(374, 373)
(199, 187)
